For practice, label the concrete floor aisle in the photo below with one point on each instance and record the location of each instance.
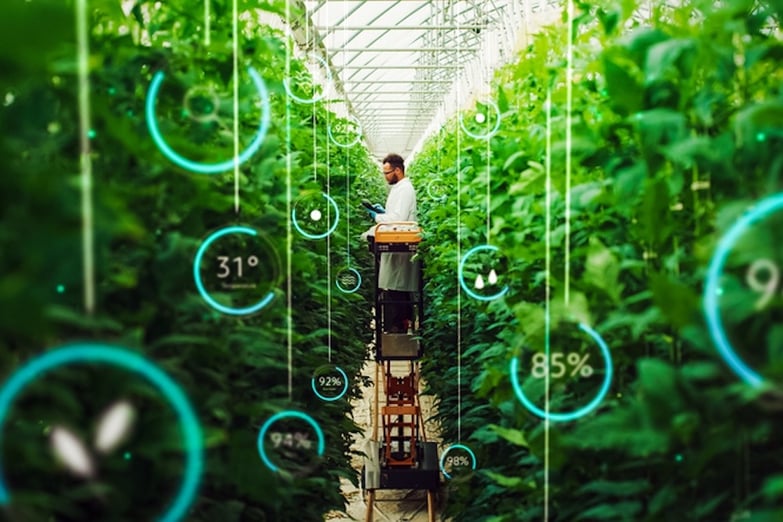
(390, 505)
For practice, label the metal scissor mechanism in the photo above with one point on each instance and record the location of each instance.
(403, 458)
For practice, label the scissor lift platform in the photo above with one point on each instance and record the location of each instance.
(403, 459)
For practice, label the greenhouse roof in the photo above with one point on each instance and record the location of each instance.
(402, 67)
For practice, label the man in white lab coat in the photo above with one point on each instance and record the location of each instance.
(398, 274)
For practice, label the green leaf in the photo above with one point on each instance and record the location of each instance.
(514, 436)
(676, 300)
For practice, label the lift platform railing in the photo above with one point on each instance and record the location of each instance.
(395, 342)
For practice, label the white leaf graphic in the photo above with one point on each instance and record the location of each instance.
(114, 426)
(479, 282)
(71, 451)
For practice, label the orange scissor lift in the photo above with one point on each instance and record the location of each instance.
(403, 459)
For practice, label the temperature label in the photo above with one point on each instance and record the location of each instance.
(236, 270)
(225, 270)
(329, 382)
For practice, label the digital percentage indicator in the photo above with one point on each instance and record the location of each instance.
(329, 382)
(461, 460)
(574, 378)
(458, 459)
(285, 444)
(295, 440)
(575, 365)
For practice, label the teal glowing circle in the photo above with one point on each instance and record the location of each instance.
(358, 282)
(460, 275)
(284, 415)
(336, 397)
(455, 446)
(98, 353)
(345, 145)
(207, 168)
(565, 417)
(317, 98)
(299, 229)
(491, 132)
(200, 285)
(712, 287)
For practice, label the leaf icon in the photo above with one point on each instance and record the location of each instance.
(114, 426)
(71, 451)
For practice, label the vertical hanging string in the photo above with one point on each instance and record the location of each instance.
(328, 216)
(289, 234)
(348, 162)
(235, 29)
(569, 77)
(206, 23)
(459, 244)
(547, 289)
(488, 82)
(328, 239)
(85, 161)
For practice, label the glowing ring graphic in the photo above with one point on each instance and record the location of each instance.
(282, 415)
(345, 386)
(459, 446)
(345, 145)
(331, 229)
(207, 168)
(358, 282)
(565, 417)
(465, 287)
(214, 99)
(490, 133)
(711, 289)
(200, 285)
(317, 98)
(133, 362)
(431, 195)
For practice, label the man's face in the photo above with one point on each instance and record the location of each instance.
(391, 174)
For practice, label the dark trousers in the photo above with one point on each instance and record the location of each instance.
(396, 314)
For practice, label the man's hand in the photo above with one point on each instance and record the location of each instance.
(373, 209)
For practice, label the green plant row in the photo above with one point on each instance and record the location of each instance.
(675, 131)
(150, 217)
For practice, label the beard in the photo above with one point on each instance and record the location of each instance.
(394, 180)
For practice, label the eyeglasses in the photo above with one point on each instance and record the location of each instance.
(387, 172)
